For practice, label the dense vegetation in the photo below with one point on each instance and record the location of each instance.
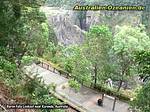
(24, 32)
(121, 57)
(121, 54)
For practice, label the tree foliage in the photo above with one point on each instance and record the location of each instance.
(142, 101)
(96, 50)
(128, 40)
(24, 33)
(142, 58)
(74, 84)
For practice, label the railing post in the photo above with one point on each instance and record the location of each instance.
(54, 70)
(42, 64)
(48, 67)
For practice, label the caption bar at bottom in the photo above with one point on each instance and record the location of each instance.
(39, 106)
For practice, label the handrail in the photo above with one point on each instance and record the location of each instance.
(51, 67)
(64, 99)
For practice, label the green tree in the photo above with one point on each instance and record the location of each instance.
(142, 59)
(142, 100)
(96, 49)
(23, 33)
(127, 40)
(75, 62)
(19, 19)
(74, 84)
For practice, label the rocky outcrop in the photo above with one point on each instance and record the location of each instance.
(113, 18)
(67, 27)
(63, 22)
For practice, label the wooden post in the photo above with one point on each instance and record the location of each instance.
(47, 67)
(114, 104)
(102, 96)
(54, 70)
(42, 64)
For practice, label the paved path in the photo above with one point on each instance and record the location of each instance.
(86, 97)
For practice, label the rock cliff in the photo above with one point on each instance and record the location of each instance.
(63, 22)
(66, 22)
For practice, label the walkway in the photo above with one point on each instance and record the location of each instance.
(86, 98)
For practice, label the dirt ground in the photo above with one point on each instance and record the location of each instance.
(6, 98)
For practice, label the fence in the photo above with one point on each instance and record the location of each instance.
(49, 67)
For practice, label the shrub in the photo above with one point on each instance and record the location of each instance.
(74, 84)
(122, 95)
(27, 60)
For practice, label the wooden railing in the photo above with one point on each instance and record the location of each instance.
(47, 65)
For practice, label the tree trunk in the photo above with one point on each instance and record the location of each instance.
(124, 72)
(102, 96)
(120, 84)
(95, 75)
(114, 104)
(119, 87)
